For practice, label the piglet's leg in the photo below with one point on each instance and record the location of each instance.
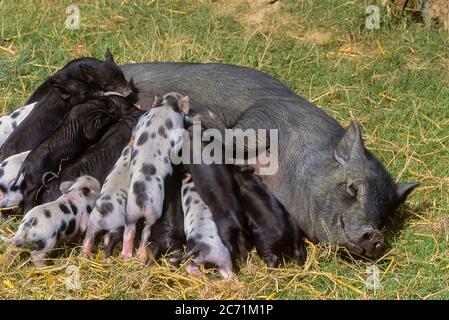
(110, 241)
(89, 240)
(225, 271)
(151, 214)
(128, 241)
(193, 270)
(142, 252)
(38, 256)
(271, 260)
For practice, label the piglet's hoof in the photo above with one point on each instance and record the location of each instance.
(127, 255)
(142, 255)
(193, 270)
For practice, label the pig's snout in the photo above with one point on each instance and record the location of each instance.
(372, 241)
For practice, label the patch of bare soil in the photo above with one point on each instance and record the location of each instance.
(265, 15)
(313, 36)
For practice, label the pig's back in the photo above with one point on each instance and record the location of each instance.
(229, 90)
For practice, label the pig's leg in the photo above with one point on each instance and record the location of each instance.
(244, 245)
(128, 240)
(155, 251)
(142, 252)
(226, 271)
(89, 239)
(193, 270)
(175, 257)
(271, 259)
(152, 212)
(109, 244)
(38, 256)
(299, 251)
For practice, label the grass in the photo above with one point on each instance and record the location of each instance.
(394, 81)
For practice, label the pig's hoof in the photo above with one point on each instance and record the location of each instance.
(126, 256)
(193, 270)
(142, 255)
(226, 275)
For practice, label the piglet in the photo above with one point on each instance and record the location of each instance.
(275, 233)
(11, 193)
(167, 234)
(157, 134)
(109, 212)
(10, 121)
(216, 186)
(98, 160)
(203, 241)
(47, 225)
(84, 125)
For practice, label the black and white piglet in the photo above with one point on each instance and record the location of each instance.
(109, 212)
(203, 241)
(10, 121)
(157, 133)
(47, 225)
(275, 233)
(216, 186)
(11, 188)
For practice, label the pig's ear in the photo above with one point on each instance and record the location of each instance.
(94, 126)
(404, 189)
(157, 101)
(89, 74)
(185, 104)
(61, 90)
(108, 56)
(350, 146)
(64, 187)
(132, 85)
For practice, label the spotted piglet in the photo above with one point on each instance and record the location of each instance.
(49, 224)
(109, 212)
(11, 194)
(157, 134)
(10, 121)
(203, 240)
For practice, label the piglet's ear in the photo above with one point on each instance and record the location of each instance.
(108, 56)
(94, 127)
(350, 146)
(89, 74)
(64, 187)
(404, 189)
(61, 90)
(157, 101)
(185, 104)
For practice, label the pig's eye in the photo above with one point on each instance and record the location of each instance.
(351, 189)
(86, 191)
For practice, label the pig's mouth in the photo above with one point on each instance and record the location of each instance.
(350, 244)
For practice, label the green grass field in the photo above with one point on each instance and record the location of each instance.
(394, 81)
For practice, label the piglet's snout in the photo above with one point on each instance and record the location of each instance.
(372, 241)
